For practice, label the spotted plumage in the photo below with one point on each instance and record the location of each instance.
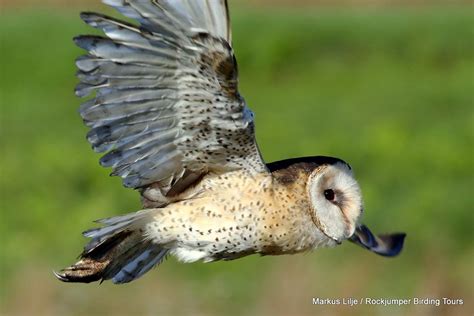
(168, 116)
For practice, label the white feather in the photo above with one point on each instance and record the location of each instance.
(188, 255)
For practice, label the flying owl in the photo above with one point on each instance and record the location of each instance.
(168, 115)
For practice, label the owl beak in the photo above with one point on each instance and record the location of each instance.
(387, 245)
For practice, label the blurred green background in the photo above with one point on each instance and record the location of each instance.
(387, 88)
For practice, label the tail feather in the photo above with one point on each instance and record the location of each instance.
(112, 227)
(141, 263)
(118, 251)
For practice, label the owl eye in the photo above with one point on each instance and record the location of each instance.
(329, 194)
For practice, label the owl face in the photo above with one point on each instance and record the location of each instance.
(335, 199)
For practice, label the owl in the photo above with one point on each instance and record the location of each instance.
(167, 113)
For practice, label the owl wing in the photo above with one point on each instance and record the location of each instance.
(387, 245)
(166, 108)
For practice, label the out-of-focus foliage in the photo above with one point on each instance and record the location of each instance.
(389, 91)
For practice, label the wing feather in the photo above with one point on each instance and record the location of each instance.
(166, 107)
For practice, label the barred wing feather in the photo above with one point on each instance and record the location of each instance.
(166, 107)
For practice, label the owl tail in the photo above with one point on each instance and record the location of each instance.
(118, 251)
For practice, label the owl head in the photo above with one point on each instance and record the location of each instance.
(336, 208)
(335, 199)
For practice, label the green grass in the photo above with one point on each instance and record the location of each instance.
(389, 91)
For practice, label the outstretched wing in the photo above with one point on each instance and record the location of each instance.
(166, 108)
